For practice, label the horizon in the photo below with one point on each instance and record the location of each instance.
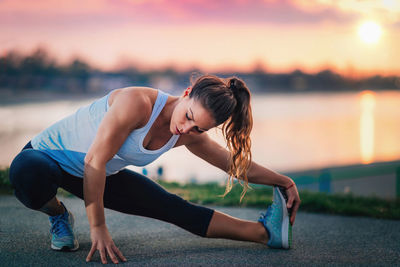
(354, 74)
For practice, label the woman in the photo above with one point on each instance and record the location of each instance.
(134, 126)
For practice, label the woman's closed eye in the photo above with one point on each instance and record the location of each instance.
(198, 130)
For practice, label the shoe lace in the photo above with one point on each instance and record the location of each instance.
(263, 216)
(269, 211)
(60, 226)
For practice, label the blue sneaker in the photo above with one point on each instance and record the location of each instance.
(62, 234)
(276, 221)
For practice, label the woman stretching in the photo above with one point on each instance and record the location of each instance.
(86, 152)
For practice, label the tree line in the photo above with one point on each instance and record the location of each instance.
(39, 71)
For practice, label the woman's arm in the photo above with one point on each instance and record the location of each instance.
(127, 112)
(209, 150)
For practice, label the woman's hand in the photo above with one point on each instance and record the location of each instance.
(293, 201)
(102, 241)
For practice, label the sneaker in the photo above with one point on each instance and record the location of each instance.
(276, 221)
(62, 234)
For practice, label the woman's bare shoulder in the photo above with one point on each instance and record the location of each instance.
(133, 102)
(133, 94)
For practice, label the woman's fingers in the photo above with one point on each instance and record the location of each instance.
(111, 250)
(91, 252)
(103, 255)
(293, 202)
(289, 206)
(101, 251)
(112, 255)
(290, 201)
(102, 241)
(293, 217)
(118, 252)
(294, 211)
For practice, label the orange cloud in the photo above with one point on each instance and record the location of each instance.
(150, 11)
(384, 11)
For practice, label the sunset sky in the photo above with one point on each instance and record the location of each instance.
(238, 34)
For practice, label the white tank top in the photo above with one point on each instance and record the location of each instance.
(68, 140)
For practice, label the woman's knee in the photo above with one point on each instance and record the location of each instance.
(25, 167)
(30, 177)
(18, 169)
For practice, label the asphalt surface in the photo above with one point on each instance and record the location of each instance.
(318, 240)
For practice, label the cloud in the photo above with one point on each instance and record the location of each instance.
(383, 11)
(256, 11)
(91, 12)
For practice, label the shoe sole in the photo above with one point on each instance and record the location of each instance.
(66, 248)
(286, 226)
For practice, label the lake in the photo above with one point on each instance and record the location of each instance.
(291, 132)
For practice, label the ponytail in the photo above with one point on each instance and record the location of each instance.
(236, 131)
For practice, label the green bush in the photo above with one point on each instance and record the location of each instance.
(350, 205)
(4, 180)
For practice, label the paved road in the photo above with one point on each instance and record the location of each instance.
(318, 240)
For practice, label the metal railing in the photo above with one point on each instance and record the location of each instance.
(323, 179)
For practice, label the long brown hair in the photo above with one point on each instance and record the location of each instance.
(228, 100)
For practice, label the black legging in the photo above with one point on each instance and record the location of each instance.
(35, 177)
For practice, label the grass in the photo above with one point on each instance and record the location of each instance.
(261, 197)
(5, 185)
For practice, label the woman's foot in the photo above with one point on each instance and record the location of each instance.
(276, 221)
(63, 237)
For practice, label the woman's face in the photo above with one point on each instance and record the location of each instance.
(190, 117)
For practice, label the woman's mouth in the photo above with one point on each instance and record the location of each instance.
(177, 131)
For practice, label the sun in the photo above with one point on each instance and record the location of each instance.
(370, 32)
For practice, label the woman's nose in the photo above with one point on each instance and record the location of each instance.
(186, 128)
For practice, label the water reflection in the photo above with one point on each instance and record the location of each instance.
(367, 123)
(291, 132)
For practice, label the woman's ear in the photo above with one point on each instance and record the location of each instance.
(187, 91)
